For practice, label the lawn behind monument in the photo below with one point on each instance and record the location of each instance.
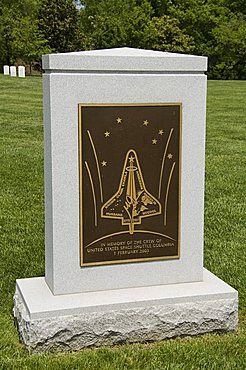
(22, 232)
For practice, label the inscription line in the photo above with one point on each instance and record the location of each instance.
(127, 232)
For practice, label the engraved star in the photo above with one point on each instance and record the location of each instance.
(170, 156)
(161, 132)
(119, 120)
(131, 159)
(145, 123)
(107, 133)
(154, 141)
(104, 163)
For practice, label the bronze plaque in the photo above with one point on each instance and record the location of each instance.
(129, 162)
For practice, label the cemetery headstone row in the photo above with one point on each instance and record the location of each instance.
(11, 70)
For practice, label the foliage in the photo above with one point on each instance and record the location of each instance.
(6, 36)
(160, 7)
(27, 41)
(115, 23)
(24, 7)
(19, 34)
(217, 33)
(164, 34)
(230, 49)
(58, 22)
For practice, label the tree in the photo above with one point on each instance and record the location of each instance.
(115, 23)
(164, 34)
(230, 49)
(6, 29)
(58, 22)
(217, 33)
(13, 29)
(27, 43)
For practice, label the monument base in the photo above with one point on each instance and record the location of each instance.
(71, 322)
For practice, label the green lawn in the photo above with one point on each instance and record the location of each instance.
(22, 232)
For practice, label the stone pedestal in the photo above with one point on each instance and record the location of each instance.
(78, 305)
(74, 321)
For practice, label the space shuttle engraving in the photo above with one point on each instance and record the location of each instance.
(132, 201)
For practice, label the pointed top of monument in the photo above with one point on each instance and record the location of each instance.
(124, 60)
(123, 52)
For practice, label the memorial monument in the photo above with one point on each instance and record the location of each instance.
(124, 204)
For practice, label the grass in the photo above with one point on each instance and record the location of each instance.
(22, 232)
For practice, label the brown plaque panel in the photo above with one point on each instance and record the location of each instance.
(129, 162)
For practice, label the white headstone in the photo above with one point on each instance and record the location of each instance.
(138, 276)
(6, 70)
(21, 71)
(13, 71)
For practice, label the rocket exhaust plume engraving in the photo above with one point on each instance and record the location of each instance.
(132, 201)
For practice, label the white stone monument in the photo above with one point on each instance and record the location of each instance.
(12, 71)
(123, 265)
(6, 70)
(21, 71)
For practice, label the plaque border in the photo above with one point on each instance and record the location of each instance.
(146, 259)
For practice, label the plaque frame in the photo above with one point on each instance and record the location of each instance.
(80, 158)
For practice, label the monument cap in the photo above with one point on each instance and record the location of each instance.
(124, 60)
